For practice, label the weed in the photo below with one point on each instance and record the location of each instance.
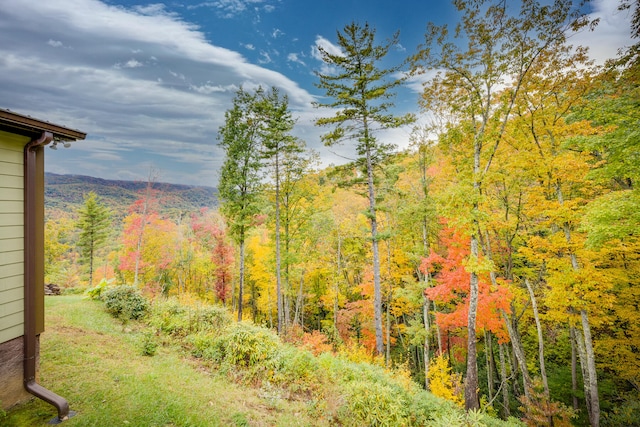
(148, 344)
(125, 303)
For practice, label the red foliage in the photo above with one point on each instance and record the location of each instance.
(213, 238)
(222, 257)
(452, 287)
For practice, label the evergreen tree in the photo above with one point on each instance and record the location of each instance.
(239, 184)
(278, 146)
(94, 223)
(361, 92)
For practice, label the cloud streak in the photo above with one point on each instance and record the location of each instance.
(145, 85)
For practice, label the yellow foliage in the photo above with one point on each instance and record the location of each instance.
(443, 383)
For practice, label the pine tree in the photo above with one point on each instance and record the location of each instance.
(94, 223)
(361, 92)
(239, 184)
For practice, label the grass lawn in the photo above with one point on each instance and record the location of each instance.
(90, 359)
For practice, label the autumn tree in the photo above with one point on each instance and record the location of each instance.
(278, 146)
(479, 76)
(239, 183)
(58, 231)
(360, 91)
(94, 223)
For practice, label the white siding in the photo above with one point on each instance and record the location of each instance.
(11, 236)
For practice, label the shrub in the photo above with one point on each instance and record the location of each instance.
(125, 302)
(97, 290)
(293, 368)
(539, 410)
(426, 407)
(375, 404)
(244, 345)
(148, 344)
(173, 318)
(444, 383)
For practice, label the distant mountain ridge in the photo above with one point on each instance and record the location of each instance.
(66, 192)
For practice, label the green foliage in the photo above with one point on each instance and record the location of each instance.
(294, 369)
(172, 318)
(239, 176)
(375, 404)
(148, 344)
(125, 302)
(244, 345)
(94, 224)
(96, 291)
(626, 414)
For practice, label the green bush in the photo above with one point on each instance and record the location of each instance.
(244, 345)
(625, 414)
(172, 318)
(125, 302)
(148, 344)
(294, 369)
(426, 407)
(375, 404)
(97, 290)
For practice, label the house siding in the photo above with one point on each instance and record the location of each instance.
(11, 236)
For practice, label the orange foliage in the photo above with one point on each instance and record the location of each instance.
(452, 287)
(316, 342)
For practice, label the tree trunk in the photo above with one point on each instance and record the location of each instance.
(536, 317)
(488, 352)
(574, 374)
(505, 382)
(518, 352)
(591, 385)
(438, 334)
(337, 282)
(377, 292)
(584, 341)
(241, 285)
(299, 302)
(278, 280)
(471, 383)
(427, 344)
(471, 401)
(388, 333)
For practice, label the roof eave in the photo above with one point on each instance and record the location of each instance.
(29, 126)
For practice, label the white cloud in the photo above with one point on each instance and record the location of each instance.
(231, 8)
(132, 63)
(163, 106)
(293, 57)
(327, 46)
(55, 43)
(612, 31)
(265, 58)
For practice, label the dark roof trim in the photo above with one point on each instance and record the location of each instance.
(28, 126)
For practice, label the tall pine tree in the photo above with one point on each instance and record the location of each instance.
(94, 224)
(361, 91)
(239, 184)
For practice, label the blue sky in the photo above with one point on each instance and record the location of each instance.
(150, 81)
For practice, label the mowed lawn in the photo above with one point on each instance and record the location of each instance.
(96, 363)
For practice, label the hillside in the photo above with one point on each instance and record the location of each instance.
(207, 370)
(66, 192)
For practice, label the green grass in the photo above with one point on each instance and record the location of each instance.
(209, 371)
(97, 365)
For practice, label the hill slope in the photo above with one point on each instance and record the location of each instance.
(97, 366)
(66, 192)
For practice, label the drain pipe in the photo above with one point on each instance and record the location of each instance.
(33, 238)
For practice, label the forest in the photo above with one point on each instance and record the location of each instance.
(497, 258)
